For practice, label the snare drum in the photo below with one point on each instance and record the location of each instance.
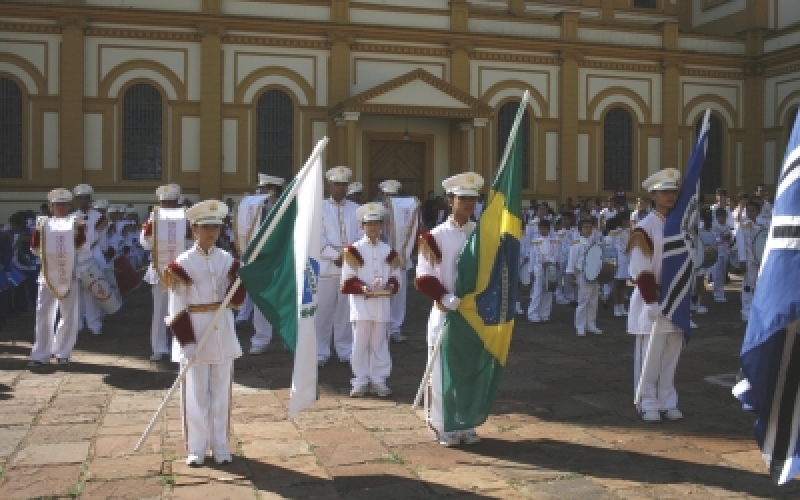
(550, 274)
(706, 250)
(760, 244)
(600, 263)
(94, 280)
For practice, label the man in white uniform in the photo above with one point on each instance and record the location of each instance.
(355, 193)
(751, 224)
(96, 222)
(436, 278)
(646, 244)
(60, 242)
(340, 227)
(164, 234)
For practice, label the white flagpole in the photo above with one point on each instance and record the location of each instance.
(509, 144)
(281, 210)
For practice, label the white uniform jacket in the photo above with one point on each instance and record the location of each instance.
(375, 266)
(577, 255)
(724, 236)
(646, 246)
(543, 249)
(197, 283)
(82, 253)
(618, 239)
(744, 239)
(147, 237)
(340, 228)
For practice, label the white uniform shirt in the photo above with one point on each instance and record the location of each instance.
(375, 273)
(730, 222)
(83, 254)
(577, 255)
(340, 227)
(209, 284)
(450, 238)
(744, 239)
(544, 249)
(724, 236)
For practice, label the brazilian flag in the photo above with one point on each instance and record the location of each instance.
(477, 336)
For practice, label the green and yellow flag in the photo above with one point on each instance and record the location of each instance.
(477, 336)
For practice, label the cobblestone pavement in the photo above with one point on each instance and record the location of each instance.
(563, 425)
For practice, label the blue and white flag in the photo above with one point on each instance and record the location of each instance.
(680, 239)
(770, 355)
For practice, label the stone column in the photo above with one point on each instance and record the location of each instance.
(72, 92)
(339, 84)
(754, 89)
(481, 146)
(670, 114)
(210, 179)
(459, 67)
(568, 136)
(351, 120)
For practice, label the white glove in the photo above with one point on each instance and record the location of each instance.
(653, 310)
(189, 351)
(451, 302)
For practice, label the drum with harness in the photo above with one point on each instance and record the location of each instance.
(706, 252)
(600, 263)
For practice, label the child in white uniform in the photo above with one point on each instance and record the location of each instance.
(723, 234)
(618, 235)
(588, 291)
(544, 250)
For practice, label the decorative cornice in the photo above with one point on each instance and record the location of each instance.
(384, 109)
(400, 49)
(620, 66)
(517, 58)
(782, 70)
(31, 28)
(711, 73)
(297, 43)
(145, 34)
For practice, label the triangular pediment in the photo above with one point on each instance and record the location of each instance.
(416, 93)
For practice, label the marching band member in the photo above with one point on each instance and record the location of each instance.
(544, 250)
(646, 255)
(339, 228)
(96, 222)
(724, 236)
(722, 202)
(164, 234)
(401, 231)
(436, 277)
(641, 210)
(369, 268)
(355, 193)
(618, 235)
(198, 280)
(588, 291)
(565, 293)
(749, 227)
(60, 242)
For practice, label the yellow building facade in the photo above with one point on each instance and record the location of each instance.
(127, 95)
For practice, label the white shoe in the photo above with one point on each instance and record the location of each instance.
(562, 302)
(594, 329)
(359, 392)
(397, 337)
(580, 333)
(720, 299)
(255, 350)
(673, 414)
(534, 319)
(222, 456)
(692, 306)
(651, 416)
(158, 356)
(449, 439)
(701, 309)
(470, 437)
(381, 390)
(519, 309)
(692, 325)
(194, 460)
(97, 332)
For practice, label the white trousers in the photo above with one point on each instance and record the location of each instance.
(565, 288)
(370, 361)
(397, 305)
(748, 287)
(60, 342)
(263, 328)
(719, 272)
(541, 300)
(434, 413)
(333, 321)
(92, 310)
(586, 313)
(159, 341)
(658, 387)
(246, 310)
(205, 407)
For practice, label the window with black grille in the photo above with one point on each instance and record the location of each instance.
(617, 150)
(274, 133)
(141, 133)
(711, 175)
(10, 129)
(505, 120)
(645, 4)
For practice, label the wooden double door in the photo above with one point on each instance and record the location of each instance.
(407, 161)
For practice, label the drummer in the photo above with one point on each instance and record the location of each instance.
(749, 227)
(724, 236)
(543, 251)
(588, 291)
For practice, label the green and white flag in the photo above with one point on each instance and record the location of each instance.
(282, 277)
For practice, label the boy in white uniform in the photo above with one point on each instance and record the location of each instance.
(370, 276)
(565, 294)
(749, 227)
(723, 234)
(198, 280)
(544, 250)
(60, 242)
(618, 236)
(588, 291)
(646, 246)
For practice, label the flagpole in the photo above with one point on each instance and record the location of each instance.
(509, 144)
(267, 233)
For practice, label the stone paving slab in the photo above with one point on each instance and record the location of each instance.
(563, 426)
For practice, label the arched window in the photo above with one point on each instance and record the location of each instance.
(711, 176)
(505, 120)
(790, 122)
(10, 129)
(617, 150)
(274, 133)
(141, 133)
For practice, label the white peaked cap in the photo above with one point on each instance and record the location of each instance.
(370, 212)
(355, 187)
(100, 204)
(339, 174)
(466, 184)
(83, 190)
(264, 179)
(207, 212)
(664, 180)
(59, 195)
(390, 186)
(168, 192)
(115, 209)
